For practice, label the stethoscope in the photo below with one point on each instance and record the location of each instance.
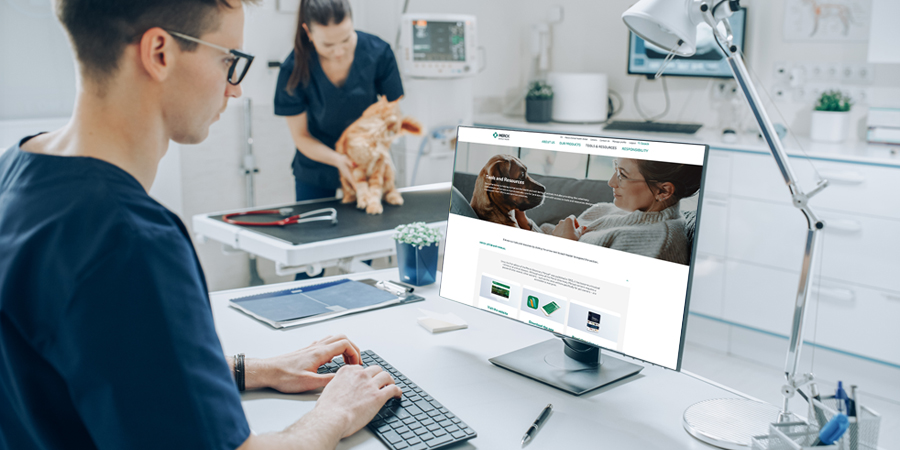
(299, 218)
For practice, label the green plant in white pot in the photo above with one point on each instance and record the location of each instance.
(831, 117)
(417, 253)
(539, 102)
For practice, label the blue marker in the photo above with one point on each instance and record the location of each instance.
(841, 396)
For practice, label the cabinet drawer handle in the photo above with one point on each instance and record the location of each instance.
(843, 177)
(844, 225)
(844, 295)
(716, 202)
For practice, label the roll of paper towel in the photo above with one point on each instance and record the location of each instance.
(578, 97)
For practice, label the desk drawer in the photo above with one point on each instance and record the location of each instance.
(712, 231)
(760, 297)
(765, 233)
(856, 249)
(707, 285)
(856, 188)
(855, 319)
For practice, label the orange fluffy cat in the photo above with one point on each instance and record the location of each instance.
(367, 142)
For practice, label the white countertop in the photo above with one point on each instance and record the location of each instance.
(849, 151)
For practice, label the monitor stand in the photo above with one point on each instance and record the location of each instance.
(567, 364)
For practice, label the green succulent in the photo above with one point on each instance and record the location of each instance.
(834, 101)
(540, 89)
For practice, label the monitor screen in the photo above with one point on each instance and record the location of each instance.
(438, 41)
(588, 237)
(709, 60)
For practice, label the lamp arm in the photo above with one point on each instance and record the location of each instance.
(800, 201)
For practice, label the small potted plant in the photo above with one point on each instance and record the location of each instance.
(539, 102)
(417, 253)
(831, 117)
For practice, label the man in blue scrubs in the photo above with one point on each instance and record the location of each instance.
(106, 333)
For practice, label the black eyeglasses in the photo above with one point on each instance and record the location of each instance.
(239, 65)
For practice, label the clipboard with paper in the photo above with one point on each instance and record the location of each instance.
(315, 303)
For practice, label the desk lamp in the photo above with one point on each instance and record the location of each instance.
(672, 25)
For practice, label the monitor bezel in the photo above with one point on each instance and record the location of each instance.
(742, 49)
(687, 300)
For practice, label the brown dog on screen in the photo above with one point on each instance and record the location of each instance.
(367, 142)
(503, 186)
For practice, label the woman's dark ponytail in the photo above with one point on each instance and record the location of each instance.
(685, 178)
(313, 12)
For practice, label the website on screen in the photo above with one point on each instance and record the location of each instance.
(588, 237)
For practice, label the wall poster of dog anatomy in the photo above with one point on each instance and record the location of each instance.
(827, 20)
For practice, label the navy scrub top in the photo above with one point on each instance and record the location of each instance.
(330, 109)
(106, 332)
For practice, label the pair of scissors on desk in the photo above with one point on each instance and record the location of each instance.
(309, 216)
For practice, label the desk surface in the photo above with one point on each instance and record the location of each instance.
(642, 412)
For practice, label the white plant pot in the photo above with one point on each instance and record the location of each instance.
(829, 126)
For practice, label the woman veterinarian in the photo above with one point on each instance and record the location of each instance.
(333, 74)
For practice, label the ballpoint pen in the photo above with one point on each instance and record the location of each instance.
(852, 408)
(537, 423)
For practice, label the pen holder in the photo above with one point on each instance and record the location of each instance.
(417, 265)
(862, 434)
(789, 436)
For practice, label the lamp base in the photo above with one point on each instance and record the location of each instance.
(729, 422)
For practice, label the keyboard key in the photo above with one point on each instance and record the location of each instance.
(439, 432)
(458, 434)
(469, 431)
(400, 445)
(419, 446)
(384, 429)
(439, 441)
(391, 437)
(415, 426)
(426, 436)
(409, 435)
(426, 422)
(415, 440)
(452, 429)
(455, 420)
(433, 427)
(421, 417)
(445, 423)
(435, 414)
(408, 420)
(421, 431)
(424, 406)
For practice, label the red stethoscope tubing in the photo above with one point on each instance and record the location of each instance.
(299, 218)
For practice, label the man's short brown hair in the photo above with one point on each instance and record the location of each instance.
(101, 29)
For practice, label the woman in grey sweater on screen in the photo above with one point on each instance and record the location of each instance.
(643, 219)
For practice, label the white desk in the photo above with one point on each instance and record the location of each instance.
(642, 412)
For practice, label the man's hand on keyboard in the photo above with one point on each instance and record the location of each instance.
(296, 371)
(355, 395)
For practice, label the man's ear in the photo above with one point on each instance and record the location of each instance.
(157, 53)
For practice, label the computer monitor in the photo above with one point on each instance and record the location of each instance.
(620, 283)
(708, 61)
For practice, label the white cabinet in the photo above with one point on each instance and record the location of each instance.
(750, 250)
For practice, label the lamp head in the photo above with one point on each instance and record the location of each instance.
(668, 24)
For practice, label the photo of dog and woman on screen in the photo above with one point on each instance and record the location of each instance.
(637, 209)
